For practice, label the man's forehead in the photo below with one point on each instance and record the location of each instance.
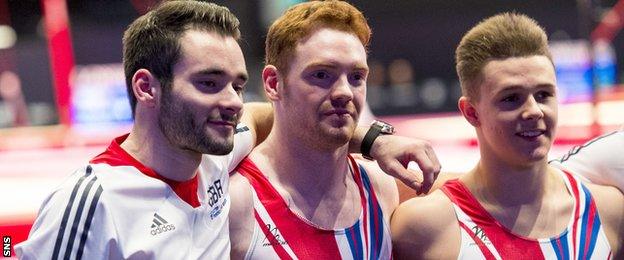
(204, 51)
(330, 47)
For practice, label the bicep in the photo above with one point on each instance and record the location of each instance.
(425, 228)
(241, 215)
(405, 230)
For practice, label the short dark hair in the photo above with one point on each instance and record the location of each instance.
(152, 40)
(506, 35)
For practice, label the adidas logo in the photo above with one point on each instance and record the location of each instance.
(160, 225)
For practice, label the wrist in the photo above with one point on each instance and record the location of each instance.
(376, 129)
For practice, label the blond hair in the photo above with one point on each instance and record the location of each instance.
(502, 36)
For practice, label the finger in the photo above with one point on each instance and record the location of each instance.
(428, 168)
(397, 170)
(434, 158)
(428, 180)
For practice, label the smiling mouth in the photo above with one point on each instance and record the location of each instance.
(531, 134)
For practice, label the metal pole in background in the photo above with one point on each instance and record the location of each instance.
(586, 18)
(56, 20)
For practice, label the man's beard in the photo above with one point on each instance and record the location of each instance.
(182, 131)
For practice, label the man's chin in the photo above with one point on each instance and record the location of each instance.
(340, 135)
(216, 145)
(217, 149)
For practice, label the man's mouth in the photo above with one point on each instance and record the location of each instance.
(338, 112)
(222, 123)
(531, 133)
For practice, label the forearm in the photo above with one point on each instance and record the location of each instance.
(258, 116)
(356, 141)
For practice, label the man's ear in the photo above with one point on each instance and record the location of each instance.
(271, 82)
(469, 111)
(145, 87)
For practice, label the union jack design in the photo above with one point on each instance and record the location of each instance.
(483, 237)
(282, 233)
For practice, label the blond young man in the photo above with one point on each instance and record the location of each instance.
(513, 204)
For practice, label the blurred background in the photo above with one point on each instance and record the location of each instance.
(63, 96)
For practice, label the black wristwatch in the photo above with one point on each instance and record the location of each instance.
(377, 128)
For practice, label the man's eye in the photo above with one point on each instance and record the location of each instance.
(511, 98)
(321, 75)
(543, 95)
(239, 88)
(358, 77)
(208, 84)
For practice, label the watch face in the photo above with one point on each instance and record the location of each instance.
(385, 128)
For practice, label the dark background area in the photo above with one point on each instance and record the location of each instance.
(424, 32)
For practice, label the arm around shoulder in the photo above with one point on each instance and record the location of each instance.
(258, 116)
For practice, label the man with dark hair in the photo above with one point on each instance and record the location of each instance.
(513, 204)
(146, 196)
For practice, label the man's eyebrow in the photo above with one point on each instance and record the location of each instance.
(334, 65)
(207, 72)
(220, 72)
(540, 86)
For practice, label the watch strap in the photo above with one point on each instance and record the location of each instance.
(367, 143)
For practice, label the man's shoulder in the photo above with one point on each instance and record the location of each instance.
(239, 184)
(609, 202)
(383, 185)
(423, 217)
(608, 199)
(423, 226)
(241, 214)
(601, 148)
(241, 194)
(431, 212)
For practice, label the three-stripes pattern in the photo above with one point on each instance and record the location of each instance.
(79, 196)
(158, 221)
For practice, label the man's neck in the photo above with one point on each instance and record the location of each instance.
(152, 149)
(301, 167)
(510, 186)
(531, 201)
(315, 184)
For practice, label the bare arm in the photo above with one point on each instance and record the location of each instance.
(241, 216)
(610, 204)
(393, 153)
(425, 228)
(258, 116)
